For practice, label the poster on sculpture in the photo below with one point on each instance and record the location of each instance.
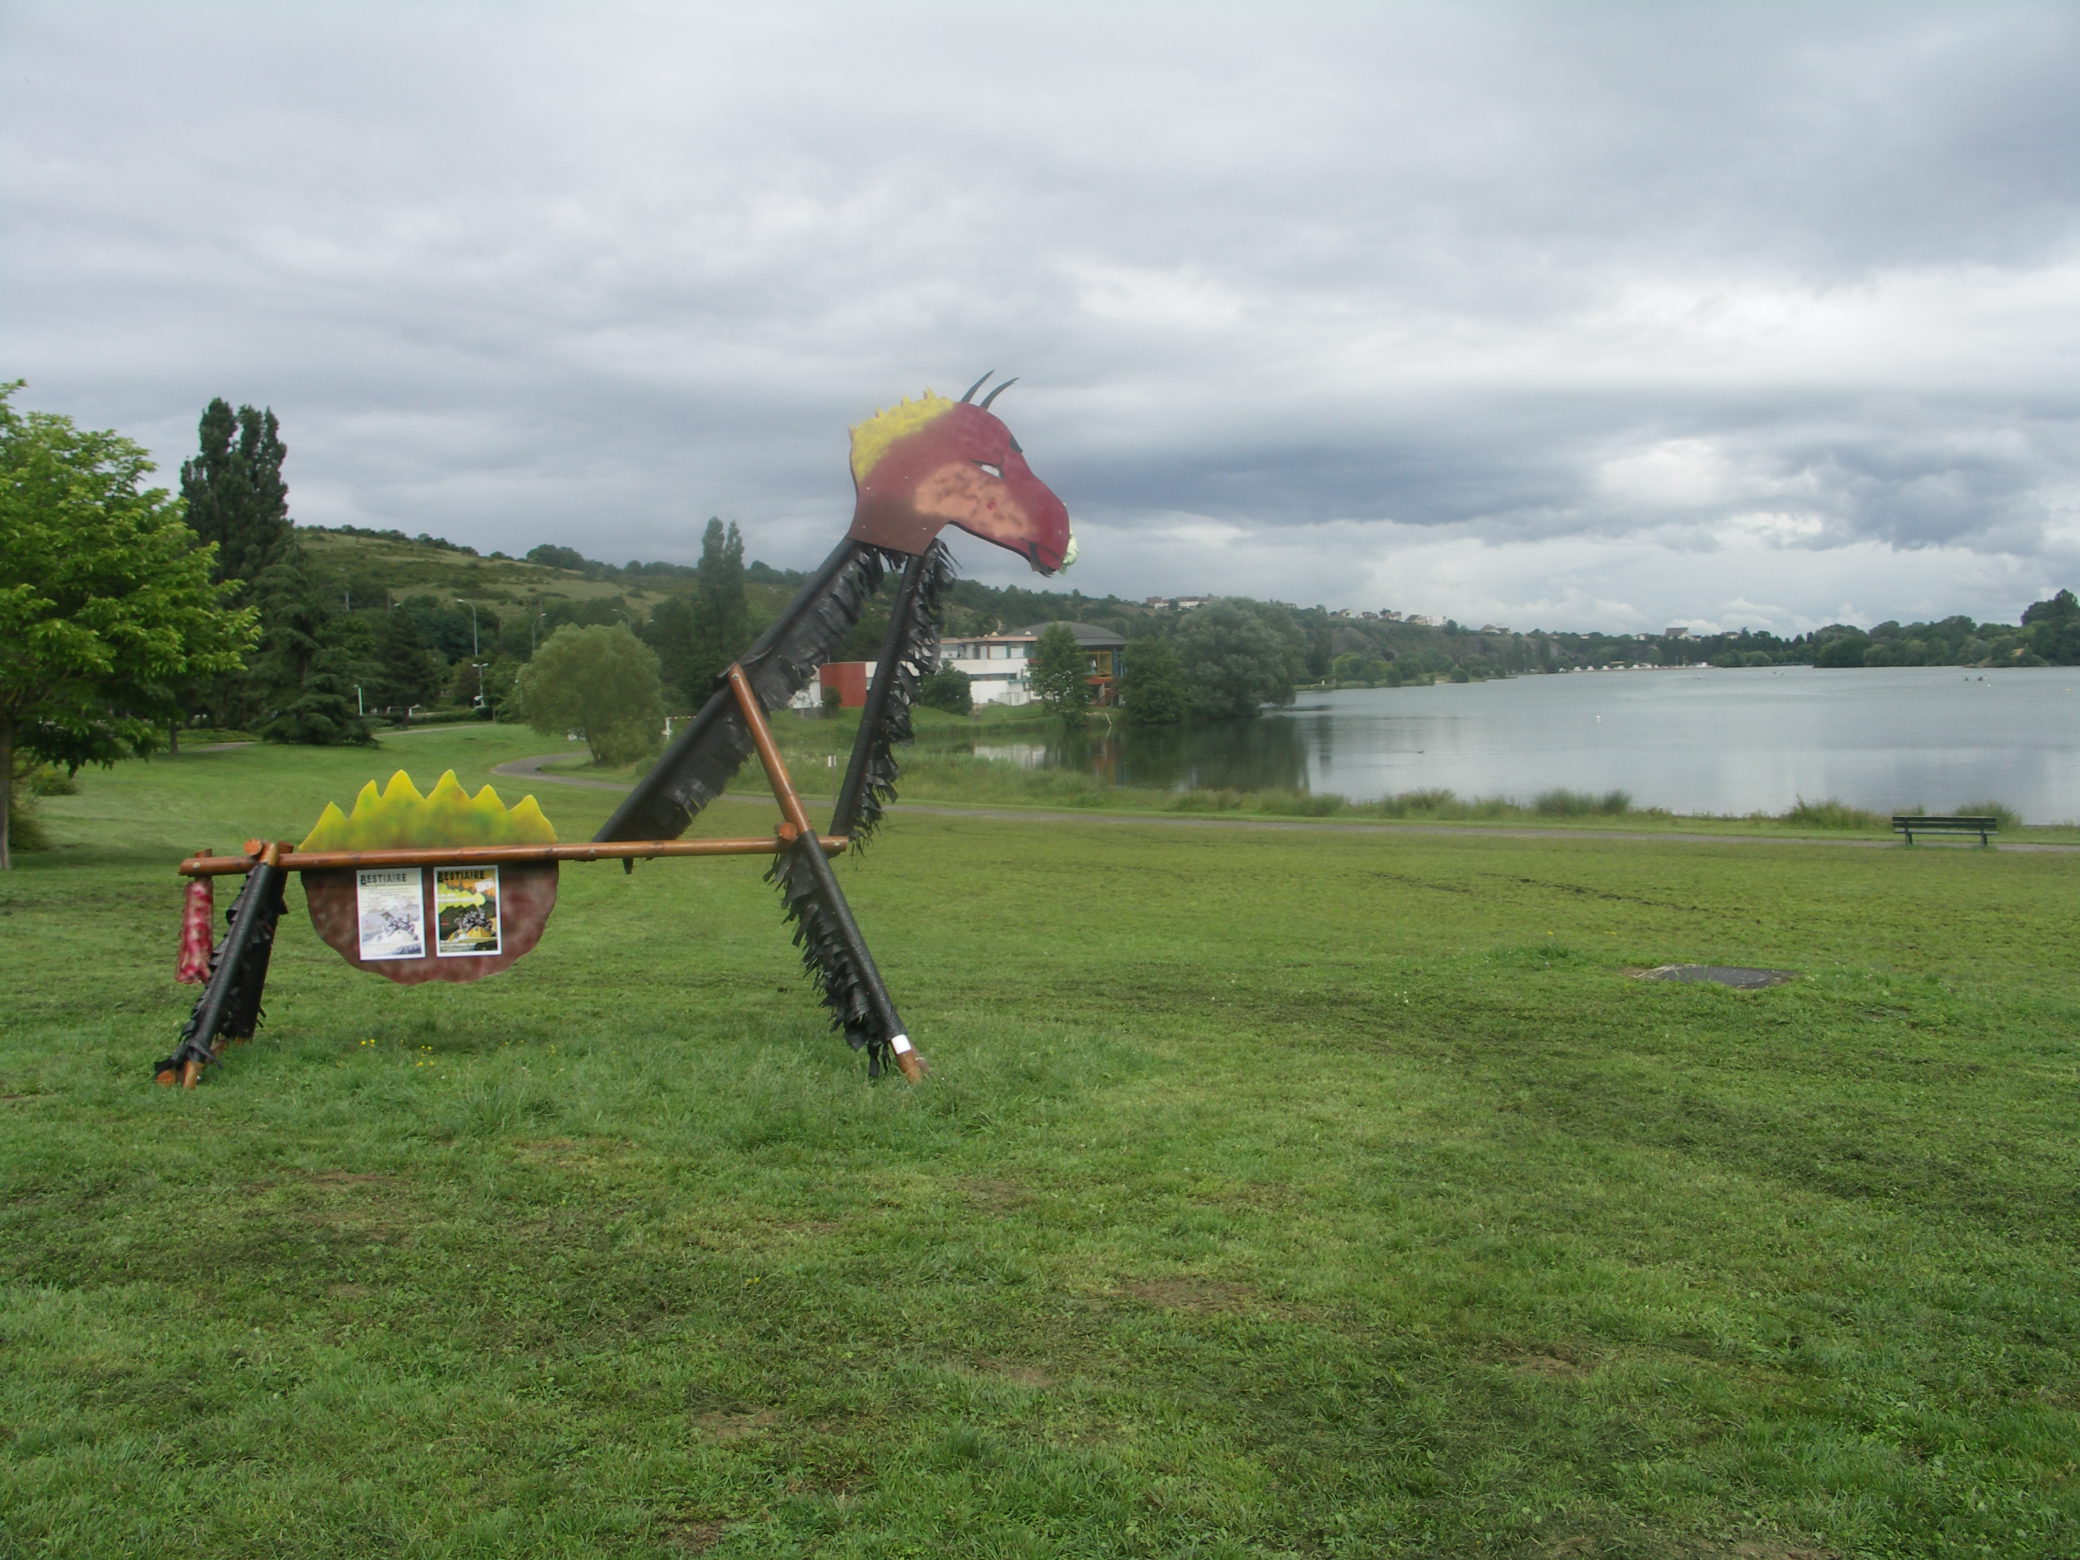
(391, 913)
(465, 911)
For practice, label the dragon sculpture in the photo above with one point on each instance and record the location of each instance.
(916, 468)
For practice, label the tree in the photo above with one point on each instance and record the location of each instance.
(720, 631)
(325, 711)
(553, 557)
(106, 601)
(600, 682)
(2054, 629)
(672, 633)
(235, 493)
(238, 499)
(1059, 674)
(406, 671)
(1839, 645)
(305, 669)
(1239, 656)
(1151, 684)
(697, 635)
(947, 689)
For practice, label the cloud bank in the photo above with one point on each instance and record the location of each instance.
(1578, 317)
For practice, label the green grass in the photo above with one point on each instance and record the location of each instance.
(1275, 1193)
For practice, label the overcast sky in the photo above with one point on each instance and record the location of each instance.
(1568, 315)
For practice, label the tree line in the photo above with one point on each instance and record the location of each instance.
(129, 614)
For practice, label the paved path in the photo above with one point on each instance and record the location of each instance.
(534, 769)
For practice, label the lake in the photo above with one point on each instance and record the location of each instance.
(1695, 740)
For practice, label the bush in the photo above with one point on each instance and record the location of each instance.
(947, 689)
(1831, 814)
(42, 780)
(1563, 803)
(2004, 815)
(24, 830)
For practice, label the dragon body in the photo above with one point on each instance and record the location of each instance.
(917, 468)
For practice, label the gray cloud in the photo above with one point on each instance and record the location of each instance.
(1663, 313)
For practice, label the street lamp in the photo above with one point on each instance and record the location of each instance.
(472, 626)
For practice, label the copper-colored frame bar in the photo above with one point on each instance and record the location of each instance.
(492, 855)
(769, 755)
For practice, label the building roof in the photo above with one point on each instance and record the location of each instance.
(1088, 635)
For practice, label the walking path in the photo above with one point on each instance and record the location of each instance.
(535, 769)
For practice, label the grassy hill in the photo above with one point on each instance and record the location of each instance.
(371, 566)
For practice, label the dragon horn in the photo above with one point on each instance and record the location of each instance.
(1006, 385)
(969, 393)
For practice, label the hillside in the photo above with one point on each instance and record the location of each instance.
(374, 570)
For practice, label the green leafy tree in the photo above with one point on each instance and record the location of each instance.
(600, 682)
(671, 632)
(235, 493)
(1151, 684)
(106, 601)
(949, 689)
(2054, 629)
(697, 635)
(1239, 656)
(1840, 646)
(1059, 674)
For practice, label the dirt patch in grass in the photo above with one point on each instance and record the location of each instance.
(693, 1538)
(721, 1426)
(991, 1194)
(1017, 1372)
(1535, 1364)
(1192, 1294)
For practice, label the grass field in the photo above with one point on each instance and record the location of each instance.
(1284, 1192)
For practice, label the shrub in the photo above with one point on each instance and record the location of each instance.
(1831, 814)
(2004, 815)
(1563, 803)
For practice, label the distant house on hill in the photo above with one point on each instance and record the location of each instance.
(997, 664)
(1101, 645)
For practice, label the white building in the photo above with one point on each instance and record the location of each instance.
(996, 666)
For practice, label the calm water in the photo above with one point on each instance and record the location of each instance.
(1692, 741)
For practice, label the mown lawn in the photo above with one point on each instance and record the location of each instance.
(1274, 1193)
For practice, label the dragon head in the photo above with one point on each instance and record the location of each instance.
(923, 463)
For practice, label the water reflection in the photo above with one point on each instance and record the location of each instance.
(1258, 755)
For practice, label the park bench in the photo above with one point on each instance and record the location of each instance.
(1911, 824)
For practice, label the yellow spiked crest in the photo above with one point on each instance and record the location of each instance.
(448, 815)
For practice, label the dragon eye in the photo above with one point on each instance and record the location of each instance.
(992, 468)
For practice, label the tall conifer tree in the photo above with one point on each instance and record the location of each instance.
(238, 498)
(236, 494)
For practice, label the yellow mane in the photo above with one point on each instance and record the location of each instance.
(871, 439)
